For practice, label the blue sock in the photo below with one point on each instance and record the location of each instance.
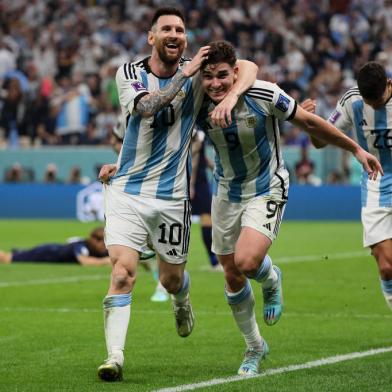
(240, 296)
(117, 300)
(264, 270)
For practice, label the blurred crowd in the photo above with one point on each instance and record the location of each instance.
(58, 58)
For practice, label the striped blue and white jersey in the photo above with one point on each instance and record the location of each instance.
(155, 158)
(248, 158)
(372, 129)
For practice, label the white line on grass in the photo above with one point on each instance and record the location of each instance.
(285, 369)
(70, 279)
(305, 258)
(198, 312)
(324, 257)
(288, 259)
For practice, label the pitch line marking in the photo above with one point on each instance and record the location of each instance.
(285, 369)
(199, 312)
(69, 279)
(319, 257)
(288, 259)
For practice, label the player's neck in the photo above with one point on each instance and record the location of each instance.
(161, 69)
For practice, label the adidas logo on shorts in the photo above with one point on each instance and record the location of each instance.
(172, 252)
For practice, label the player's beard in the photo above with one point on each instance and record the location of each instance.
(167, 58)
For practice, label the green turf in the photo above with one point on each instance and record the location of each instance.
(51, 328)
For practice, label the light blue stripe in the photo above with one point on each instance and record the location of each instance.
(240, 296)
(381, 126)
(185, 284)
(237, 164)
(263, 148)
(158, 148)
(386, 286)
(263, 270)
(129, 149)
(169, 174)
(358, 117)
(117, 300)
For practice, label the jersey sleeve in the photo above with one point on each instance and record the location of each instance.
(130, 88)
(80, 249)
(273, 100)
(340, 118)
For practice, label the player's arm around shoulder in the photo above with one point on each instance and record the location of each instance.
(247, 73)
(152, 102)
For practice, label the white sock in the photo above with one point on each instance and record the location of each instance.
(242, 305)
(117, 312)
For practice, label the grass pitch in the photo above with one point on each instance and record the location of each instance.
(51, 323)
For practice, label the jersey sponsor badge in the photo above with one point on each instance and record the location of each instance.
(138, 86)
(283, 103)
(334, 116)
(250, 121)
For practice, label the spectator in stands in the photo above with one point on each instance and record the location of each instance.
(50, 176)
(13, 109)
(70, 107)
(14, 173)
(304, 169)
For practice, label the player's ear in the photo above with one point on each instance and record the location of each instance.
(235, 71)
(186, 41)
(150, 38)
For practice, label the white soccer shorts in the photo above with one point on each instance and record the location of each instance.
(377, 224)
(263, 213)
(140, 222)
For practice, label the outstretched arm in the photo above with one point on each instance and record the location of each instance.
(310, 106)
(247, 72)
(323, 130)
(93, 261)
(151, 103)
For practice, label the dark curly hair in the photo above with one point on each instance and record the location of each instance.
(220, 52)
(372, 80)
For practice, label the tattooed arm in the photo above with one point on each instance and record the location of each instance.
(151, 103)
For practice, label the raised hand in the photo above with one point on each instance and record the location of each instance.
(193, 66)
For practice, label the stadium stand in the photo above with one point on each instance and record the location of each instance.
(67, 52)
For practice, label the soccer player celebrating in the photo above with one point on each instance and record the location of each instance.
(251, 189)
(147, 197)
(367, 110)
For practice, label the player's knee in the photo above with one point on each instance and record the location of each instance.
(246, 263)
(122, 280)
(172, 283)
(384, 261)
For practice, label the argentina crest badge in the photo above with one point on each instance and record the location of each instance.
(250, 121)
